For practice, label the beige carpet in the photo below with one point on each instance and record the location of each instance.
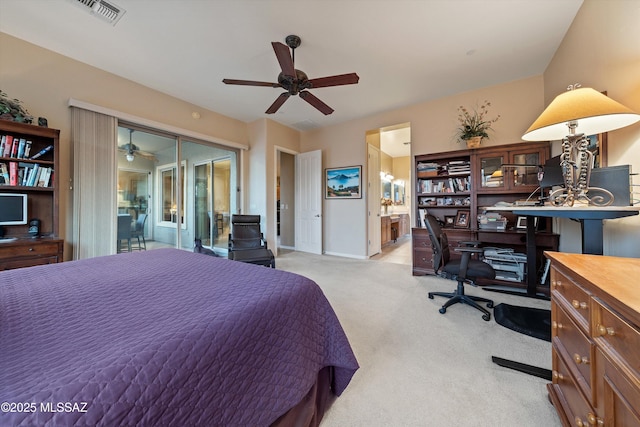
(417, 366)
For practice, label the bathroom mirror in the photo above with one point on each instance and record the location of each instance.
(398, 193)
(386, 189)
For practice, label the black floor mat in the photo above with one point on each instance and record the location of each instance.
(535, 322)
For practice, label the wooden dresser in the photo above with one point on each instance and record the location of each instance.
(595, 311)
(29, 252)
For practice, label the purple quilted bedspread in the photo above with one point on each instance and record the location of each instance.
(162, 338)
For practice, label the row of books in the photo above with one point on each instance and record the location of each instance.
(449, 185)
(19, 148)
(25, 174)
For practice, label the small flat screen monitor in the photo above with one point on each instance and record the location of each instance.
(552, 173)
(13, 209)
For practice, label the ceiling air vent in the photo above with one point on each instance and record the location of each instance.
(102, 9)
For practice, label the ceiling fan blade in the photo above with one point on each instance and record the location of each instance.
(249, 83)
(313, 100)
(284, 58)
(339, 80)
(278, 103)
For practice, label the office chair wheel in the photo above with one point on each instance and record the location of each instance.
(442, 310)
(486, 317)
(430, 296)
(490, 304)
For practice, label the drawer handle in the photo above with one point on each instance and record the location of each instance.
(424, 244)
(577, 304)
(603, 330)
(556, 325)
(557, 376)
(30, 249)
(580, 359)
(593, 420)
(557, 283)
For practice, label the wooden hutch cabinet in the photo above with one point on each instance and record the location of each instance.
(465, 182)
(41, 192)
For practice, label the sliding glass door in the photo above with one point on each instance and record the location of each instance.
(212, 198)
(193, 201)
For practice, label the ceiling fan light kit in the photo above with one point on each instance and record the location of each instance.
(131, 150)
(296, 82)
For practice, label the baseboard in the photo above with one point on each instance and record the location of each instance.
(345, 255)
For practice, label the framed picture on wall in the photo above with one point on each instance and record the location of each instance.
(343, 183)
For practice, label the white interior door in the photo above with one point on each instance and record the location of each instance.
(308, 196)
(373, 201)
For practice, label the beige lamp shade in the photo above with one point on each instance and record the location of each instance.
(592, 111)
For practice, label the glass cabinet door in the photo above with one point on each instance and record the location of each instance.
(526, 175)
(491, 172)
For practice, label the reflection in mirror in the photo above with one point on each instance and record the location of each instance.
(386, 190)
(398, 192)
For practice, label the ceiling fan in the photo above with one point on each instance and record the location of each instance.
(296, 82)
(133, 150)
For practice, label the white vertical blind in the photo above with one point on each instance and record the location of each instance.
(93, 136)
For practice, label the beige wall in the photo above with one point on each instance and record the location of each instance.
(602, 50)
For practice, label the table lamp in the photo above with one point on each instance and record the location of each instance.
(590, 112)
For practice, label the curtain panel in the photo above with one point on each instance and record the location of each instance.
(93, 136)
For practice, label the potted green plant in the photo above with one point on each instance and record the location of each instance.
(12, 109)
(474, 124)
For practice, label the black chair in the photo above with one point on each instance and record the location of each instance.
(137, 231)
(246, 242)
(124, 231)
(463, 270)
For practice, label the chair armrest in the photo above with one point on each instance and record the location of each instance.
(474, 243)
(469, 250)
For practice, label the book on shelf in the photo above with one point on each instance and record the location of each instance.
(13, 173)
(21, 144)
(8, 145)
(4, 171)
(42, 152)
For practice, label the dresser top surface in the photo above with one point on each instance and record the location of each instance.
(616, 276)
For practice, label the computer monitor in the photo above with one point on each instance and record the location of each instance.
(13, 209)
(552, 173)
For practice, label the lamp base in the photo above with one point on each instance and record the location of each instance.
(567, 197)
(577, 161)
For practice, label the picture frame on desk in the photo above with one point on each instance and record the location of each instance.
(521, 223)
(462, 219)
(449, 221)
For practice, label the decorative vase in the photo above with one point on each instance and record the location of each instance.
(474, 142)
(386, 209)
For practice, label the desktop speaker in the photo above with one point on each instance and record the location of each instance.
(34, 227)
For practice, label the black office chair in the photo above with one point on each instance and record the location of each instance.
(246, 242)
(463, 270)
(137, 231)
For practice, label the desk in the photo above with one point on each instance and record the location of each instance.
(590, 221)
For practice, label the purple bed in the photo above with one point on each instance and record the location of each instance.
(167, 337)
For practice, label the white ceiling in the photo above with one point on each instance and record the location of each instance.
(405, 51)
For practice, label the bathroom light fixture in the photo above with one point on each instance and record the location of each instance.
(591, 113)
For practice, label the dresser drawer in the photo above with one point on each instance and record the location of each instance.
(616, 337)
(620, 396)
(572, 297)
(576, 408)
(14, 251)
(575, 348)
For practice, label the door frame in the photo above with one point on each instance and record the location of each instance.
(277, 149)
